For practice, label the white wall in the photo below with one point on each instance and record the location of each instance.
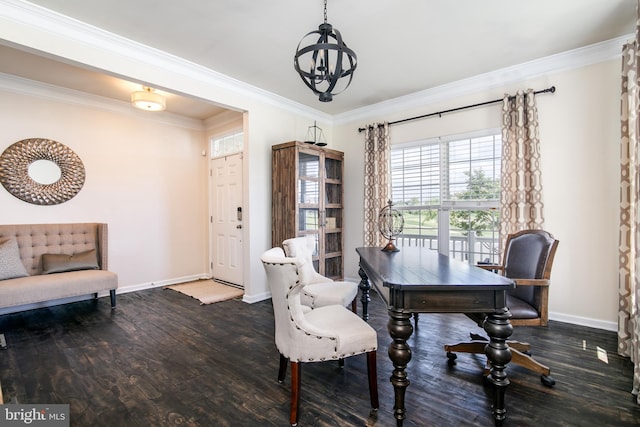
(579, 137)
(146, 179)
(579, 132)
(268, 120)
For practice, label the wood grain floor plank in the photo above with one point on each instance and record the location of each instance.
(161, 359)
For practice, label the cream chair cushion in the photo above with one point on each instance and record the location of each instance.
(319, 291)
(324, 333)
(303, 248)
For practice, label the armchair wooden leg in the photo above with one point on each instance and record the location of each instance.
(476, 347)
(372, 372)
(354, 305)
(295, 392)
(524, 347)
(282, 371)
(529, 363)
(518, 357)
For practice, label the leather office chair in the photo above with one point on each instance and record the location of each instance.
(305, 335)
(528, 258)
(320, 290)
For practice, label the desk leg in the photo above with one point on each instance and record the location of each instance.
(365, 287)
(499, 329)
(400, 329)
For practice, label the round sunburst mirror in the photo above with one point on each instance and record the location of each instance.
(41, 171)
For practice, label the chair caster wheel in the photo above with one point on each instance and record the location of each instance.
(547, 380)
(451, 358)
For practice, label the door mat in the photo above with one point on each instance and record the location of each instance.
(207, 291)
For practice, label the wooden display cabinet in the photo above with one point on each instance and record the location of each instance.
(307, 198)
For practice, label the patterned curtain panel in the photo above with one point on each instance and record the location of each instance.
(521, 205)
(629, 282)
(376, 180)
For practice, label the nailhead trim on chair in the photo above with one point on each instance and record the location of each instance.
(336, 357)
(296, 325)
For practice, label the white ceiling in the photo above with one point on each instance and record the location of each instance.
(403, 47)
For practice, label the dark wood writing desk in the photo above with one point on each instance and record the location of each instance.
(418, 280)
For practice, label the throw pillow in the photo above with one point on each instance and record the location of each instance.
(60, 263)
(10, 264)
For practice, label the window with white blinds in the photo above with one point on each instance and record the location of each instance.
(448, 190)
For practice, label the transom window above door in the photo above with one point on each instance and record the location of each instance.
(226, 145)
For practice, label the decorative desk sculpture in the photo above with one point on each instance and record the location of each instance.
(390, 223)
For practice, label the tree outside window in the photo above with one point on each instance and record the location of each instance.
(448, 190)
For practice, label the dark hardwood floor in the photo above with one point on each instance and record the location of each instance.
(161, 359)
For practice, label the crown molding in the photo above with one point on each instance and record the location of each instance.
(60, 26)
(22, 86)
(576, 58)
(63, 27)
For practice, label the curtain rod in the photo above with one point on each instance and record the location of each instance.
(551, 89)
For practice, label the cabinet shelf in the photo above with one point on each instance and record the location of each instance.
(332, 255)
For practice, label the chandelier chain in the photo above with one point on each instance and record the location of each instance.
(325, 11)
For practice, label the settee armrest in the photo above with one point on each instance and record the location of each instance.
(103, 239)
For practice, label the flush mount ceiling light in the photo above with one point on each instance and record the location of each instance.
(322, 64)
(147, 99)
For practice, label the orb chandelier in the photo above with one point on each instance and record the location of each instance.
(322, 64)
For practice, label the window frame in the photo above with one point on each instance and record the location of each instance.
(446, 204)
(236, 136)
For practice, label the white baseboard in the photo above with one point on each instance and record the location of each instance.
(584, 321)
(256, 298)
(559, 317)
(150, 285)
(160, 283)
(120, 290)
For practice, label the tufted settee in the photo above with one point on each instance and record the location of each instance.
(55, 261)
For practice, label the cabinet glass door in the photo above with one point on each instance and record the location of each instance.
(309, 218)
(332, 247)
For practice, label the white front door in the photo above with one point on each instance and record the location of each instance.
(226, 219)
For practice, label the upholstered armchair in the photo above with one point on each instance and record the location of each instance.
(320, 290)
(304, 335)
(527, 260)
